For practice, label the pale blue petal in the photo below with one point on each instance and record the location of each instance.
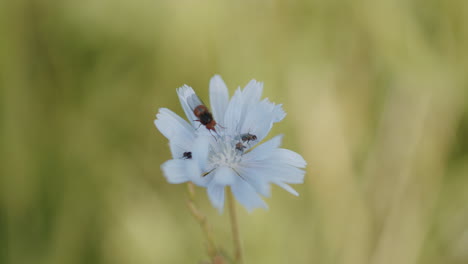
(177, 150)
(275, 170)
(216, 195)
(172, 125)
(260, 118)
(196, 175)
(287, 165)
(175, 171)
(252, 92)
(219, 98)
(261, 128)
(274, 163)
(289, 157)
(247, 196)
(260, 184)
(287, 188)
(233, 114)
(265, 150)
(177, 130)
(224, 176)
(251, 96)
(278, 113)
(198, 165)
(185, 92)
(178, 145)
(281, 176)
(200, 150)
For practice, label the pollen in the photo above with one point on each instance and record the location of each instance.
(224, 152)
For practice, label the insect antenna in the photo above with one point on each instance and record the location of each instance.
(198, 125)
(213, 135)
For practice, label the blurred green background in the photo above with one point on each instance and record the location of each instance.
(377, 99)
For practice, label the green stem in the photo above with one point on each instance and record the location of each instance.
(201, 219)
(238, 256)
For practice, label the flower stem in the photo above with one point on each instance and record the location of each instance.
(201, 219)
(238, 257)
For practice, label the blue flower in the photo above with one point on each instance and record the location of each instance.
(229, 155)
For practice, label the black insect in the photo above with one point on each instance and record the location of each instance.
(187, 155)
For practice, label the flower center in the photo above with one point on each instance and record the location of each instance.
(226, 151)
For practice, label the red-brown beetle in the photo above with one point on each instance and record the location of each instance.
(201, 112)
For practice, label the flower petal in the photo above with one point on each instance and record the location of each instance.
(271, 164)
(276, 170)
(232, 116)
(177, 149)
(170, 124)
(289, 157)
(278, 113)
(252, 92)
(216, 195)
(196, 175)
(247, 196)
(260, 184)
(175, 171)
(277, 174)
(264, 150)
(287, 188)
(200, 149)
(260, 118)
(224, 176)
(176, 129)
(185, 92)
(199, 171)
(219, 98)
(251, 96)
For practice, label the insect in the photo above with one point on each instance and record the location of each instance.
(240, 146)
(201, 112)
(248, 137)
(187, 155)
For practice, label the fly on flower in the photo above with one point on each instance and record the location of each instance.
(248, 137)
(187, 155)
(240, 146)
(201, 112)
(229, 160)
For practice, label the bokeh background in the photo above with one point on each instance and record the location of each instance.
(377, 99)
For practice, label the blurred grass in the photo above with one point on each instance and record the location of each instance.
(377, 99)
